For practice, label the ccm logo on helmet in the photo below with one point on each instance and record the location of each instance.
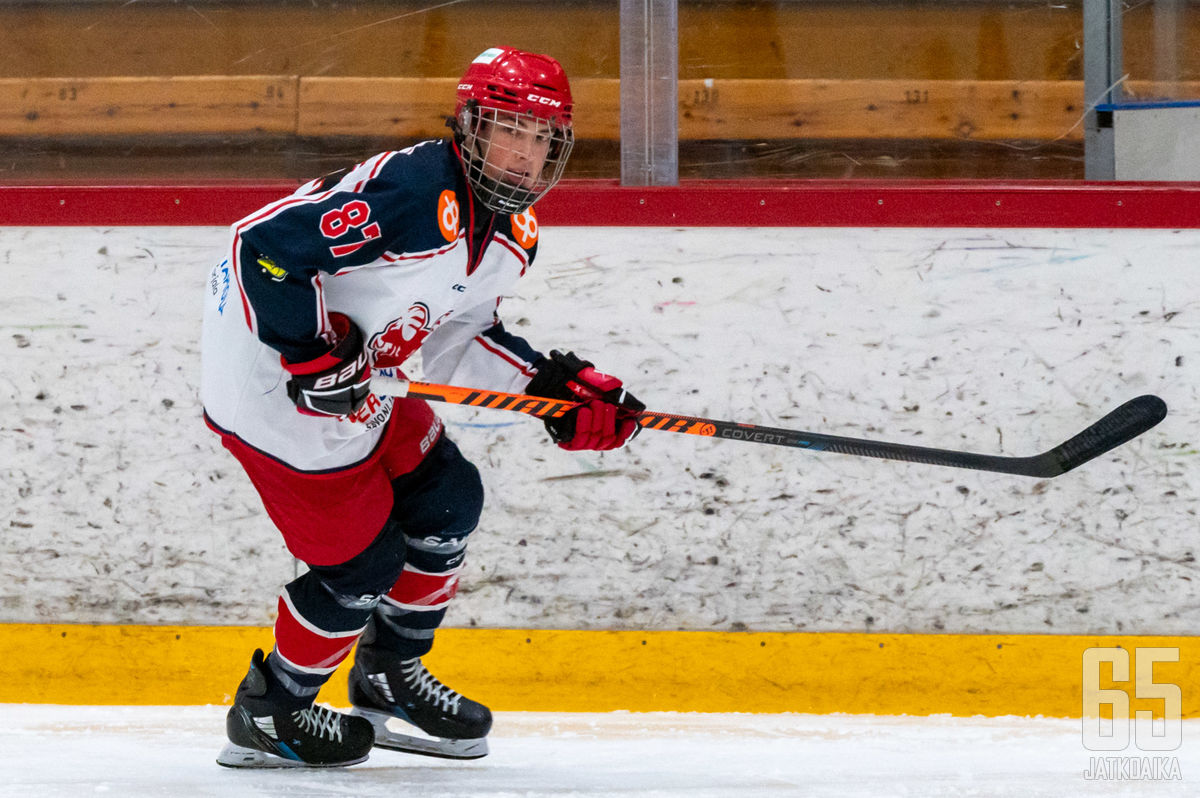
(537, 98)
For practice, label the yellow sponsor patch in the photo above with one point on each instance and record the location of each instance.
(277, 273)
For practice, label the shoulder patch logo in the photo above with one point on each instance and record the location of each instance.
(525, 228)
(276, 273)
(448, 215)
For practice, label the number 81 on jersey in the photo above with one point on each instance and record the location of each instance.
(354, 215)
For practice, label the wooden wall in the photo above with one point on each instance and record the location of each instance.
(416, 107)
(771, 70)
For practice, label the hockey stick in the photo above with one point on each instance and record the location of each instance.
(1123, 424)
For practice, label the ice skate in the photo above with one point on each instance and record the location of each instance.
(270, 728)
(385, 688)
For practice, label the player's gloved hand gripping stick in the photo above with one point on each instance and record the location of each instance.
(606, 415)
(1123, 424)
(336, 383)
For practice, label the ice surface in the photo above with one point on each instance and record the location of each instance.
(130, 752)
(122, 507)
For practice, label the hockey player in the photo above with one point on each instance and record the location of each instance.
(350, 275)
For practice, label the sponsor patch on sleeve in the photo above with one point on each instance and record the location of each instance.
(448, 215)
(525, 229)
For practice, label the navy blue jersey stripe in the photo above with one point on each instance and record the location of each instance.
(514, 344)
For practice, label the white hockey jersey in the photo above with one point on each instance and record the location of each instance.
(395, 245)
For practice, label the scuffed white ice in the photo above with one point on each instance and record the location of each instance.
(52, 751)
(124, 509)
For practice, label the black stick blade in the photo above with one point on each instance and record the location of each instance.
(1123, 424)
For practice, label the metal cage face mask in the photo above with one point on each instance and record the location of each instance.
(511, 158)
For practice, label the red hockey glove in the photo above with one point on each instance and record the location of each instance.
(336, 383)
(607, 419)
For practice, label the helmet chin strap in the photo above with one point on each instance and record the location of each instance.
(496, 195)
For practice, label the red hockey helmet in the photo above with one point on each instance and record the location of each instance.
(512, 120)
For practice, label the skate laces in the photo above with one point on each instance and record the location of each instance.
(427, 686)
(319, 722)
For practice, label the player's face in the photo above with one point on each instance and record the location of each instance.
(517, 147)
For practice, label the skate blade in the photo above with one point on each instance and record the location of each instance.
(236, 756)
(425, 746)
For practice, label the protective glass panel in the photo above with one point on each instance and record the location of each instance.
(1156, 117)
(1161, 50)
(791, 88)
(156, 91)
(860, 88)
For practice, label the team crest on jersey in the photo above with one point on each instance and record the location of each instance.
(402, 336)
(525, 228)
(448, 215)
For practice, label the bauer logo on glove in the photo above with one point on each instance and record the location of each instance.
(339, 382)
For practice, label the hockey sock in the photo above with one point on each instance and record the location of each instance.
(314, 632)
(407, 617)
(436, 507)
(302, 686)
